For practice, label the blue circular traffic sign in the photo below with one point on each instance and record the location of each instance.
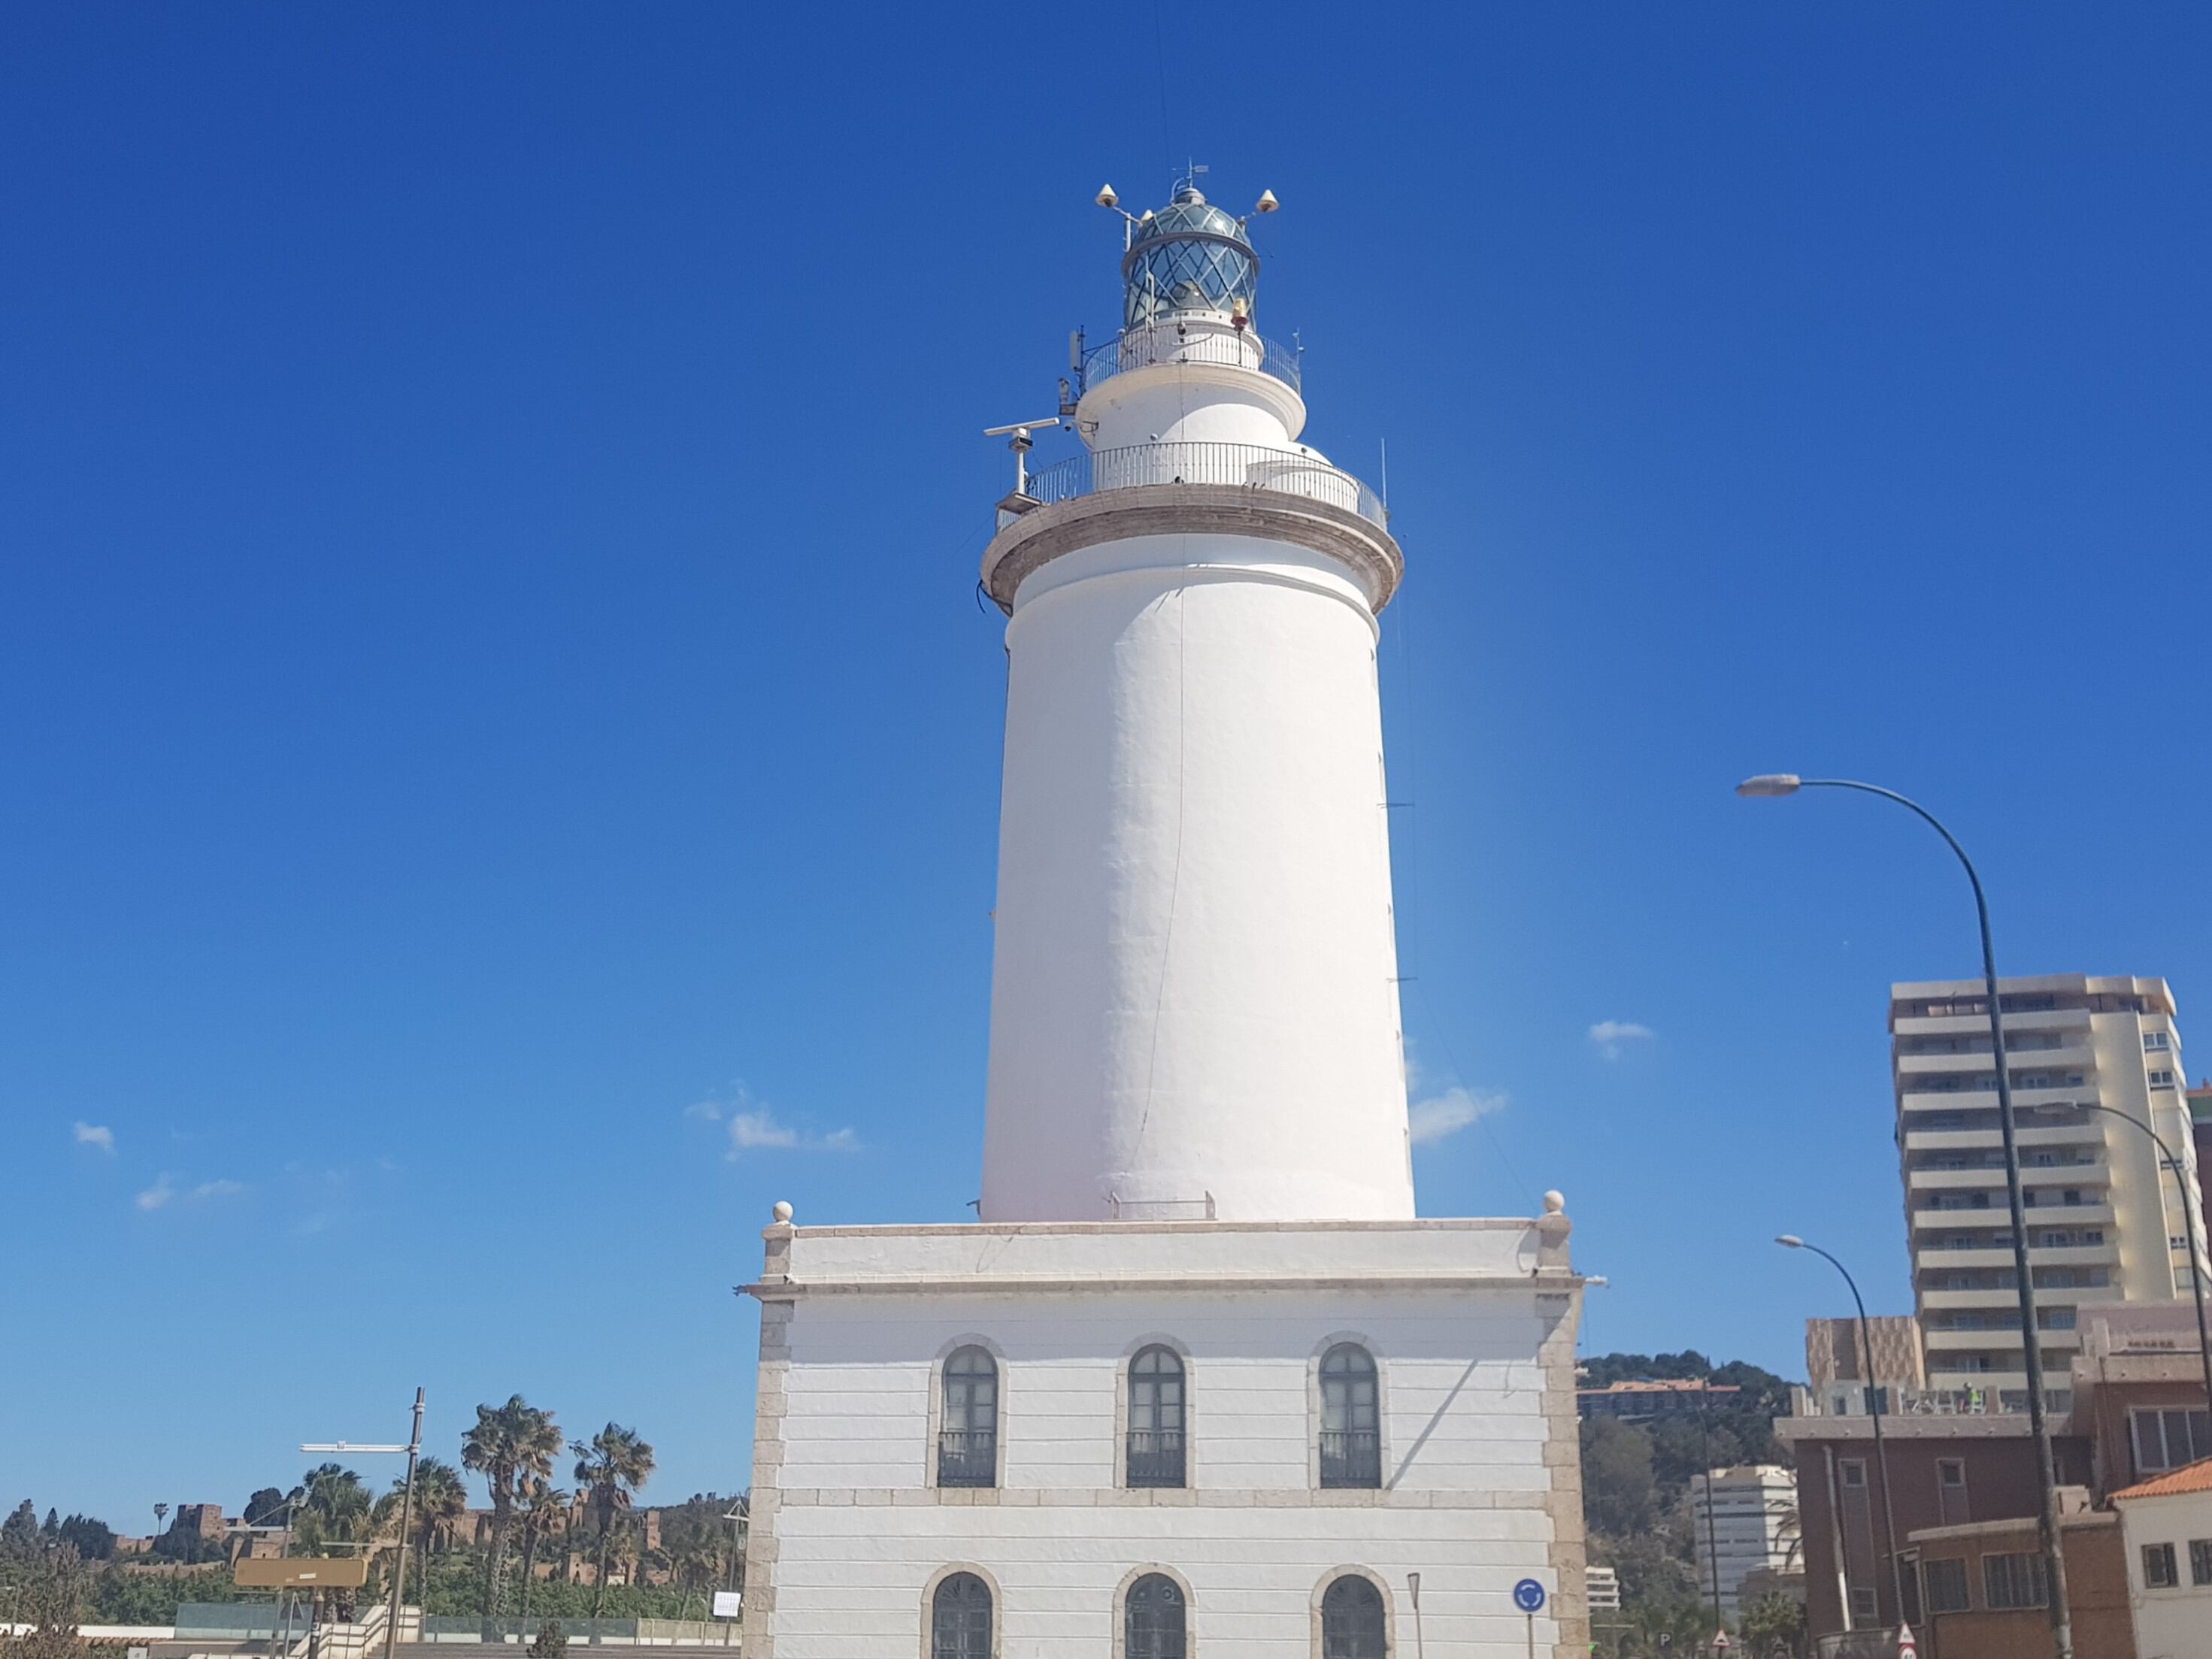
(1528, 1595)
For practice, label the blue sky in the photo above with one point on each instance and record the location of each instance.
(502, 748)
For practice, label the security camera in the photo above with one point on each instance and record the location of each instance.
(1266, 204)
(1107, 197)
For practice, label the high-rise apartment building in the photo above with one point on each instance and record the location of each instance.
(2106, 1223)
(1752, 1528)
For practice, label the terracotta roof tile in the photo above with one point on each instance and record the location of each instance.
(2195, 1477)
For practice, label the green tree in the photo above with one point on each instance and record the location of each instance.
(508, 1444)
(1618, 1496)
(441, 1500)
(615, 1464)
(265, 1507)
(545, 1506)
(1773, 1628)
(552, 1641)
(92, 1541)
(330, 1508)
(19, 1534)
(52, 1603)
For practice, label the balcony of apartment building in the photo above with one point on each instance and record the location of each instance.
(1936, 1055)
(1951, 1130)
(2023, 1022)
(2037, 1089)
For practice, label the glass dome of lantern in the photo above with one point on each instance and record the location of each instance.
(1188, 258)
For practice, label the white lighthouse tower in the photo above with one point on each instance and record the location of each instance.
(1195, 1007)
(1198, 1376)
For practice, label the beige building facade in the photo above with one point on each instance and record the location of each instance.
(2106, 1223)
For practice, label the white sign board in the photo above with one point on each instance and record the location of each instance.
(728, 1604)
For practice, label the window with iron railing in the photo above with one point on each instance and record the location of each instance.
(1155, 1449)
(1351, 1419)
(968, 1432)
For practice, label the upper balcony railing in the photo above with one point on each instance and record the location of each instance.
(1245, 466)
(1166, 342)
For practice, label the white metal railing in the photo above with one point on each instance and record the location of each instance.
(1166, 342)
(1243, 466)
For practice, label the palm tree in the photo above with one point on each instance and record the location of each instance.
(441, 1500)
(615, 1463)
(543, 1504)
(333, 1508)
(508, 1446)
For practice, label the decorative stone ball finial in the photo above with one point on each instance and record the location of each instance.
(1555, 1203)
(782, 1214)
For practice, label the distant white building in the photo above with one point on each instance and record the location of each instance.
(1198, 1378)
(1754, 1526)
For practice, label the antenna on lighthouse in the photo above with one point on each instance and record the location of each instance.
(1021, 442)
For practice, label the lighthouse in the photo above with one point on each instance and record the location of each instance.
(1195, 999)
(1198, 1376)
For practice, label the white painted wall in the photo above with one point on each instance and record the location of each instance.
(861, 1532)
(1193, 987)
(2174, 1623)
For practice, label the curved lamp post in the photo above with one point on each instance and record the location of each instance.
(2188, 1220)
(1791, 1241)
(2061, 1623)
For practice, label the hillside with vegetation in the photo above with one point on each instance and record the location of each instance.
(1637, 1478)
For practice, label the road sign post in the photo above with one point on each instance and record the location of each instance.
(1529, 1596)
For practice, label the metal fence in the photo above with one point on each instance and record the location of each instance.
(1141, 348)
(234, 1620)
(1245, 466)
(631, 1632)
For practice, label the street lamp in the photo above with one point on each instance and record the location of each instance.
(413, 1449)
(2061, 1623)
(1791, 1241)
(2188, 1220)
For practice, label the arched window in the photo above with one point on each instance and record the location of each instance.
(960, 1615)
(1352, 1620)
(1156, 1420)
(1152, 1618)
(967, 1433)
(1351, 1437)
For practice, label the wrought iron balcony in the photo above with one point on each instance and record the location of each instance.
(1242, 466)
(1351, 1457)
(968, 1457)
(1156, 1457)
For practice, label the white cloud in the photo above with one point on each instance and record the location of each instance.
(96, 1135)
(1610, 1034)
(1447, 1114)
(165, 1192)
(760, 1128)
(755, 1128)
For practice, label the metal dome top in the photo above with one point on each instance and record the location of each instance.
(1188, 256)
(1190, 213)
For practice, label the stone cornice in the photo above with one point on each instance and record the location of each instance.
(1038, 537)
(788, 1290)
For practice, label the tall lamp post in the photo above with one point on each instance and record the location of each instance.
(413, 1450)
(2062, 1622)
(2189, 1220)
(1791, 1241)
